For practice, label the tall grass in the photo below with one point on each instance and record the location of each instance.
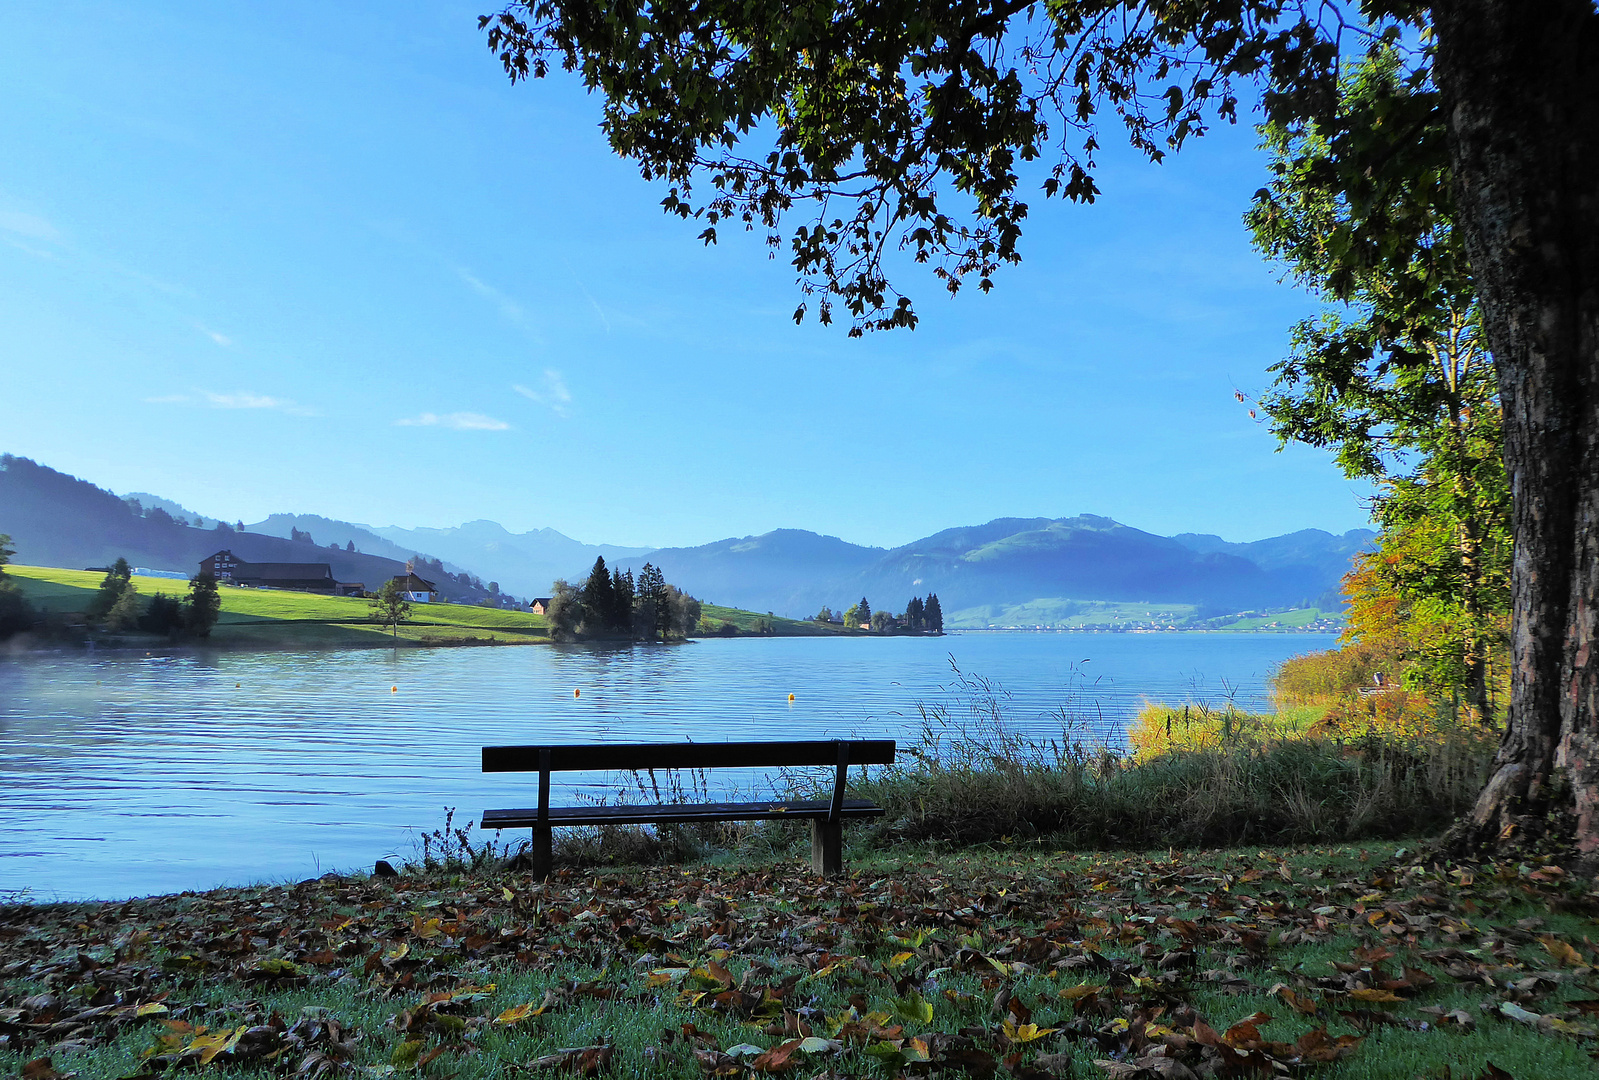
(984, 780)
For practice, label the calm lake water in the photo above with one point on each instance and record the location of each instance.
(127, 774)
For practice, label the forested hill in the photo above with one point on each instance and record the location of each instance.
(1006, 571)
(523, 563)
(58, 520)
(1011, 562)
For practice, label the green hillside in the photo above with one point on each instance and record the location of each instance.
(749, 622)
(276, 618)
(273, 618)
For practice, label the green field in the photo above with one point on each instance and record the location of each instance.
(1295, 619)
(748, 622)
(277, 618)
(273, 618)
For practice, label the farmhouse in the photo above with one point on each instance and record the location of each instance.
(541, 605)
(300, 577)
(415, 589)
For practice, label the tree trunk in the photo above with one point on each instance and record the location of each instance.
(1520, 82)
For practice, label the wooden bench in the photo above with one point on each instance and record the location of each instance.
(826, 816)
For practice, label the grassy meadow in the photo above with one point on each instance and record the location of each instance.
(272, 618)
(750, 622)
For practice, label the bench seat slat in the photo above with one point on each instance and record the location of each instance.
(707, 755)
(774, 809)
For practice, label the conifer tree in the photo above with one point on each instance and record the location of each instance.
(934, 614)
(915, 613)
(652, 612)
(599, 605)
(620, 614)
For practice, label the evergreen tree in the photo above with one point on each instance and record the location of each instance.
(620, 615)
(652, 612)
(349, 545)
(934, 614)
(599, 606)
(915, 614)
(205, 604)
(164, 615)
(825, 615)
(864, 611)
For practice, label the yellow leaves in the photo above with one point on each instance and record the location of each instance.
(518, 1013)
(898, 959)
(1563, 953)
(1076, 993)
(1366, 993)
(713, 976)
(221, 1042)
(663, 977)
(515, 1015)
(399, 953)
(152, 1008)
(1024, 1033)
(428, 930)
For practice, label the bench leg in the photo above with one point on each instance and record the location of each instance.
(827, 847)
(540, 851)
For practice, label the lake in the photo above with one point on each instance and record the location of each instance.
(125, 774)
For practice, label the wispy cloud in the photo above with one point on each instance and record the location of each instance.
(246, 401)
(460, 421)
(508, 307)
(211, 400)
(32, 226)
(221, 339)
(552, 393)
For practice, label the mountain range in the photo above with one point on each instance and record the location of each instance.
(981, 573)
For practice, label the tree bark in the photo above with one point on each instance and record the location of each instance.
(1520, 83)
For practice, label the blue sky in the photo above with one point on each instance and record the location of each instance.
(324, 259)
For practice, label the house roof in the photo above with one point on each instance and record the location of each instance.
(412, 583)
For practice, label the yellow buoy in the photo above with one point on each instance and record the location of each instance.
(791, 697)
(237, 685)
(394, 689)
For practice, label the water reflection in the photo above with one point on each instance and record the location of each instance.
(123, 774)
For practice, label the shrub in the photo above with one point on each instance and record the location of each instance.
(1318, 677)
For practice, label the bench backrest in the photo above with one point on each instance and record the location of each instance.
(568, 757)
(641, 756)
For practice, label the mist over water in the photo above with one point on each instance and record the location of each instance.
(127, 774)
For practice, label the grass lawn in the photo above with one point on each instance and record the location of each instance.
(270, 618)
(1353, 963)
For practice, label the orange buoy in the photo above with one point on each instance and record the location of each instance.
(577, 693)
